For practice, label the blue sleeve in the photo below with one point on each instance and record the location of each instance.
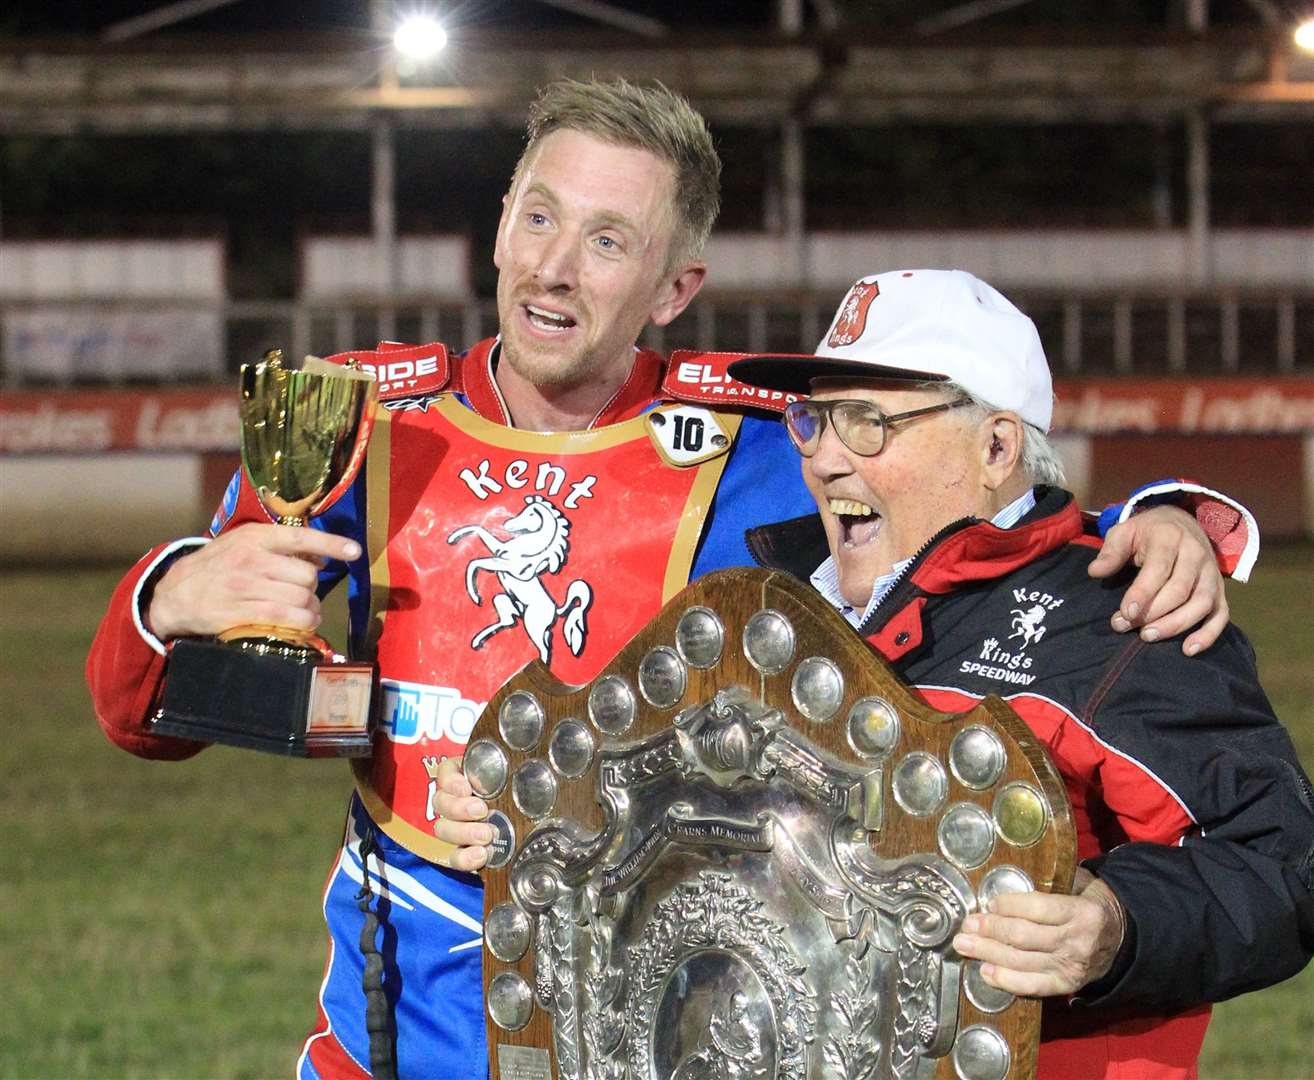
(346, 517)
(1167, 493)
(762, 483)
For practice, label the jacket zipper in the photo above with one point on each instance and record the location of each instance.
(898, 589)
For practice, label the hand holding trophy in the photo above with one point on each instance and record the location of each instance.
(303, 436)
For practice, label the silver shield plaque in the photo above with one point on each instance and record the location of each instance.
(754, 866)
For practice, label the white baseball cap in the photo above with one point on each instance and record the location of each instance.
(924, 325)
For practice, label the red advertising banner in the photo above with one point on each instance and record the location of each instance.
(1267, 405)
(205, 418)
(87, 421)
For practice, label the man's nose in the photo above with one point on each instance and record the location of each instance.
(558, 261)
(832, 457)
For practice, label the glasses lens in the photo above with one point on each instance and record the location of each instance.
(803, 421)
(860, 426)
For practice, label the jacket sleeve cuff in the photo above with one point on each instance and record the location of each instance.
(1231, 528)
(1093, 992)
(141, 596)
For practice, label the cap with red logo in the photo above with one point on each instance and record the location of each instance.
(924, 325)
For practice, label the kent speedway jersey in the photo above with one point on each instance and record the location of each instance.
(489, 547)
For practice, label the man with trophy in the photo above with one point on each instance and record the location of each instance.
(537, 497)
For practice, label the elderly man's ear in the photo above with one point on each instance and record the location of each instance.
(1001, 449)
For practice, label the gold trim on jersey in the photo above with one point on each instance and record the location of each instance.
(378, 502)
(377, 495)
(696, 507)
(536, 442)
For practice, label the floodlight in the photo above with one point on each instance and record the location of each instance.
(419, 37)
(1305, 35)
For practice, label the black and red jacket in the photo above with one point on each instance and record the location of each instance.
(1186, 791)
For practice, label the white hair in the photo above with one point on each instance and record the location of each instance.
(1040, 461)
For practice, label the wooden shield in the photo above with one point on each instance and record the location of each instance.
(743, 851)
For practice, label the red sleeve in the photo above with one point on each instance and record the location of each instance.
(1231, 528)
(125, 669)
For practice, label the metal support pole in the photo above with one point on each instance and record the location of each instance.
(706, 325)
(792, 197)
(383, 215)
(1072, 335)
(383, 190)
(1230, 333)
(1163, 187)
(1200, 269)
(1286, 334)
(1176, 334)
(1122, 335)
(789, 16)
(757, 328)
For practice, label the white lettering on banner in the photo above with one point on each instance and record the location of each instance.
(1093, 412)
(207, 427)
(1261, 410)
(396, 374)
(548, 478)
(1190, 409)
(415, 711)
(51, 428)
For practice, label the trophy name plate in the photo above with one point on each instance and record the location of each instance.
(217, 693)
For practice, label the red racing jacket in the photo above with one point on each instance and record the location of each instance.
(1188, 798)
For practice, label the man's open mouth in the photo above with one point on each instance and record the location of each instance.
(550, 321)
(858, 522)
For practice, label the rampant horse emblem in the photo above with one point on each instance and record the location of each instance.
(852, 319)
(1026, 624)
(538, 544)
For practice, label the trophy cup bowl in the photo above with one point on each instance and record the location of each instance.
(303, 436)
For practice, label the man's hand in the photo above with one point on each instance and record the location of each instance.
(1179, 584)
(261, 575)
(1042, 944)
(460, 817)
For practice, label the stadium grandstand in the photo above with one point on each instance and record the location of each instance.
(187, 184)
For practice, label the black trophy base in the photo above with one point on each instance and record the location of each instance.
(301, 707)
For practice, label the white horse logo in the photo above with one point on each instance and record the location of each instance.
(1026, 624)
(538, 544)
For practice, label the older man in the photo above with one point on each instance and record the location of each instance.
(943, 537)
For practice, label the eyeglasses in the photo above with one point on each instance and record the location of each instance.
(860, 425)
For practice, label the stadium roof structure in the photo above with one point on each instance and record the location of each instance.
(833, 72)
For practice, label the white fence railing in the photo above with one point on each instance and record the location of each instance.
(1146, 332)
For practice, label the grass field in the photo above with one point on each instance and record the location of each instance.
(161, 920)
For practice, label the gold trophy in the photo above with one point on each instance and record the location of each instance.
(274, 688)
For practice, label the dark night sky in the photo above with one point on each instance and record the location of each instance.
(90, 17)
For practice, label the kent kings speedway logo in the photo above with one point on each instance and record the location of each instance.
(1007, 662)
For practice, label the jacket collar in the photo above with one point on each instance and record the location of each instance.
(966, 551)
(475, 377)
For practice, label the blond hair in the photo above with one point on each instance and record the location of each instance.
(650, 118)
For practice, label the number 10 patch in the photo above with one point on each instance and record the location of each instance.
(687, 435)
